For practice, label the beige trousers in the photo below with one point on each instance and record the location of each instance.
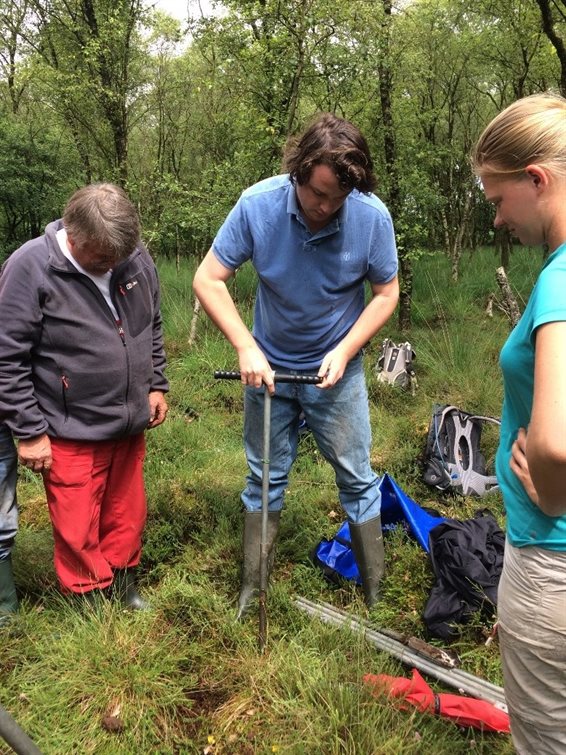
(532, 637)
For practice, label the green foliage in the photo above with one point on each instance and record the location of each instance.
(187, 116)
(31, 189)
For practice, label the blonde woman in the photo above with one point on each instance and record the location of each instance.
(521, 161)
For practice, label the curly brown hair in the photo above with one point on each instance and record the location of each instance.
(334, 142)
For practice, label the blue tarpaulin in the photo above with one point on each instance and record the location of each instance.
(396, 508)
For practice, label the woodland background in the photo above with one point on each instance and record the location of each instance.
(186, 114)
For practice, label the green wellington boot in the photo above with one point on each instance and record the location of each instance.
(8, 596)
(124, 590)
(252, 545)
(367, 544)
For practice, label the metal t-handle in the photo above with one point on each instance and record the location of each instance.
(280, 377)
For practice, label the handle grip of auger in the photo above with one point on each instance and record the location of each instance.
(280, 377)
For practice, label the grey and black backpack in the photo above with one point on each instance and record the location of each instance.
(453, 459)
(395, 365)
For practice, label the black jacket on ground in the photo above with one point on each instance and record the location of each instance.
(467, 559)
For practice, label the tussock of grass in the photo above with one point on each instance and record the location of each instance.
(78, 665)
(187, 677)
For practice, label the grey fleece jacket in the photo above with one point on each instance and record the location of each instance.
(67, 368)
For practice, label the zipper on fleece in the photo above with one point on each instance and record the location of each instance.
(121, 332)
(64, 389)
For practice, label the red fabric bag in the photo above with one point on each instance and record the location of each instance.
(464, 711)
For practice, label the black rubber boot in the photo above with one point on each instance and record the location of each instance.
(8, 596)
(125, 591)
(367, 544)
(252, 545)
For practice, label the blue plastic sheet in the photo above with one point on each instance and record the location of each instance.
(397, 508)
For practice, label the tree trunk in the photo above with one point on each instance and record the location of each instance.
(509, 301)
(406, 293)
(555, 39)
(503, 243)
(446, 232)
(177, 251)
(194, 320)
(457, 249)
(390, 154)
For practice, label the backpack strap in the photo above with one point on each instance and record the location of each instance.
(493, 420)
(438, 421)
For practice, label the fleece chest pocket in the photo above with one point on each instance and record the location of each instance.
(137, 304)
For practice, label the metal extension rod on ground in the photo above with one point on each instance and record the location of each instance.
(462, 681)
(264, 555)
(12, 733)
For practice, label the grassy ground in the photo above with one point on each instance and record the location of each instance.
(186, 678)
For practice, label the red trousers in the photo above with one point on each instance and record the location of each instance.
(96, 497)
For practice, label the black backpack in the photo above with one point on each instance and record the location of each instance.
(453, 459)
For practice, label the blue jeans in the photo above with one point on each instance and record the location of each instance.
(339, 420)
(8, 477)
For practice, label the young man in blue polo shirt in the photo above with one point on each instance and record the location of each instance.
(314, 236)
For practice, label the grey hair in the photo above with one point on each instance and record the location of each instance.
(102, 215)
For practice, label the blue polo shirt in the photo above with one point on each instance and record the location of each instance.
(526, 523)
(311, 285)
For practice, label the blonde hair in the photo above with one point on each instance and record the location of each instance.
(531, 130)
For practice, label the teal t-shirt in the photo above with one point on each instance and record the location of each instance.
(526, 523)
